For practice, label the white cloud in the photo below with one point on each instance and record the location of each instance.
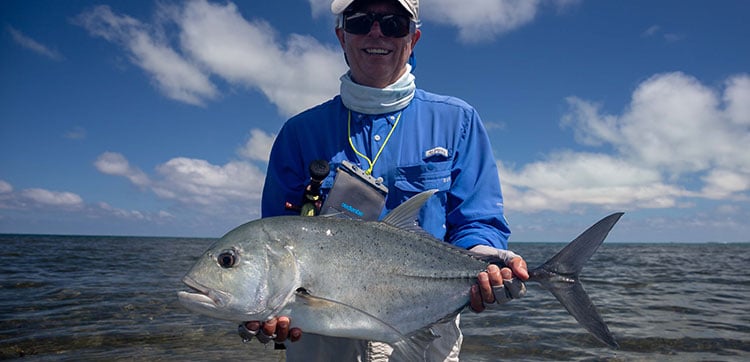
(5, 187)
(723, 184)
(198, 182)
(31, 44)
(294, 74)
(37, 198)
(112, 163)
(52, 198)
(178, 78)
(674, 129)
(320, 7)
(215, 40)
(673, 123)
(737, 99)
(258, 146)
(77, 133)
(476, 20)
(479, 20)
(651, 31)
(569, 178)
(232, 189)
(482, 20)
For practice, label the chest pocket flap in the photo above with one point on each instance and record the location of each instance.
(424, 176)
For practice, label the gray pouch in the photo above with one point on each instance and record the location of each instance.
(355, 194)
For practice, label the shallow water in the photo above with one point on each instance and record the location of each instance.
(114, 298)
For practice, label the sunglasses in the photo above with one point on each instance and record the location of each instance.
(391, 25)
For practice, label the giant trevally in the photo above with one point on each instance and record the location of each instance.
(383, 281)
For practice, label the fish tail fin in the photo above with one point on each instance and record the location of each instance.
(559, 275)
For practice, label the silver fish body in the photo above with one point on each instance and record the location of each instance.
(382, 281)
(343, 278)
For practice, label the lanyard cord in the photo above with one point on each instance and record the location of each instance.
(371, 163)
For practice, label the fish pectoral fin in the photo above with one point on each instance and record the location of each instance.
(347, 318)
(347, 321)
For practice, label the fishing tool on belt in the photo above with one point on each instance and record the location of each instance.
(312, 199)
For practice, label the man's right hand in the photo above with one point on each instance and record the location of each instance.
(276, 329)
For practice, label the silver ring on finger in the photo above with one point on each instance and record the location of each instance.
(264, 338)
(246, 334)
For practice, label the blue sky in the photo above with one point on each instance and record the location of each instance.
(156, 117)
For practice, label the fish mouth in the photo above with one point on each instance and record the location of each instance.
(201, 296)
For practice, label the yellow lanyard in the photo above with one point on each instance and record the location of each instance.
(372, 163)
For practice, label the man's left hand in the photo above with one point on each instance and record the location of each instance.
(499, 285)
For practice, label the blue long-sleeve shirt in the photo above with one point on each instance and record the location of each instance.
(439, 143)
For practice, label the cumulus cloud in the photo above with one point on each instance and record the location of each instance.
(5, 187)
(178, 78)
(112, 163)
(258, 146)
(571, 178)
(33, 45)
(199, 182)
(675, 128)
(479, 20)
(37, 198)
(215, 40)
(476, 20)
(234, 187)
(53, 198)
(656, 31)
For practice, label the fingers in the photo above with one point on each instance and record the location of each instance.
(515, 288)
(476, 299)
(269, 327)
(282, 329)
(295, 334)
(482, 293)
(498, 285)
(492, 277)
(518, 266)
(276, 329)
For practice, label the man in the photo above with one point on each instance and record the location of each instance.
(412, 140)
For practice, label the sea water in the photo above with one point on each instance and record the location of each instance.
(115, 298)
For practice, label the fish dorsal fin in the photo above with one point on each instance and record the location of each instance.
(405, 215)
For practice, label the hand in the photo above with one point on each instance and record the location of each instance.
(276, 329)
(499, 285)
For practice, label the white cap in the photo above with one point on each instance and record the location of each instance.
(412, 6)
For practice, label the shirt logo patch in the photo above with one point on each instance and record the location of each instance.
(436, 151)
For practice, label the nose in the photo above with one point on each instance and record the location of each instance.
(375, 30)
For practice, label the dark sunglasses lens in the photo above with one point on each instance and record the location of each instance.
(359, 23)
(395, 26)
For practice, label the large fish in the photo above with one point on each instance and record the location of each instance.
(384, 281)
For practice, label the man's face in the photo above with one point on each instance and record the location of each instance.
(376, 60)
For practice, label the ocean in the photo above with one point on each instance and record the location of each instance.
(86, 298)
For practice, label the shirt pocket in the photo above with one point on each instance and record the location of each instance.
(424, 176)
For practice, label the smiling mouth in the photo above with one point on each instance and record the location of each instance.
(377, 51)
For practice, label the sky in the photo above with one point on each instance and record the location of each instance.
(155, 118)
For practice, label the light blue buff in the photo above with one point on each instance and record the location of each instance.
(369, 100)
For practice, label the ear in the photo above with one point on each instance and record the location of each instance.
(415, 38)
(340, 36)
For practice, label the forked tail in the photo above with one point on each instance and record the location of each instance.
(559, 275)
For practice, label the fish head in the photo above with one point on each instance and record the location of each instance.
(244, 276)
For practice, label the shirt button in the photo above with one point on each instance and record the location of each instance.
(377, 137)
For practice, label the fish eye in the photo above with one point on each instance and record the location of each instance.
(227, 258)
